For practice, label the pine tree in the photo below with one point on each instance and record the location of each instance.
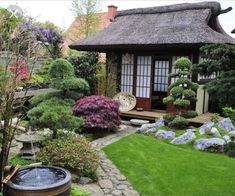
(182, 92)
(220, 59)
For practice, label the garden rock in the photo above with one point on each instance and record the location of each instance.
(226, 124)
(232, 133)
(204, 144)
(162, 134)
(227, 138)
(85, 180)
(191, 130)
(150, 130)
(150, 126)
(138, 122)
(215, 132)
(184, 139)
(206, 126)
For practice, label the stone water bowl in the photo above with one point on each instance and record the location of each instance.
(39, 181)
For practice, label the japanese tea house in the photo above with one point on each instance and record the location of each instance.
(143, 44)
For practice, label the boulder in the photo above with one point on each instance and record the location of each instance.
(231, 133)
(162, 134)
(150, 126)
(191, 130)
(185, 138)
(206, 126)
(205, 144)
(150, 130)
(214, 132)
(227, 138)
(226, 124)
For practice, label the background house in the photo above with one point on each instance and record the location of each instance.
(147, 41)
(73, 33)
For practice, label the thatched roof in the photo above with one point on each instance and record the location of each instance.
(154, 27)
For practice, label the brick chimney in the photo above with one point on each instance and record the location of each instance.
(112, 10)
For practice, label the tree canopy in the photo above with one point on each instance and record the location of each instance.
(219, 59)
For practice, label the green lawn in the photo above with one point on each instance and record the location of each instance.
(156, 168)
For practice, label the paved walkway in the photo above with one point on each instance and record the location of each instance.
(110, 180)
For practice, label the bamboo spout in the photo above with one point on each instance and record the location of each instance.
(9, 172)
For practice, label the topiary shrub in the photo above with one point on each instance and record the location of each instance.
(189, 114)
(54, 114)
(169, 117)
(61, 69)
(73, 88)
(98, 112)
(74, 153)
(179, 122)
(182, 92)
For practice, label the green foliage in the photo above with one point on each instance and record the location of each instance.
(179, 122)
(74, 153)
(86, 66)
(220, 59)
(86, 10)
(35, 80)
(176, 91)
(229, 112)
(17, 160)
(35, 100)
(54, 114)
(169, 117)
(8, 23)
(75, 191)
(168, 100)
(107, 85)
(182, 63)
(73, 88)
(189, 94)
(189, 114)
(215, 117)
(229, 149)
(61, 69)
(181, 103)
(182, 92)
(43, 71)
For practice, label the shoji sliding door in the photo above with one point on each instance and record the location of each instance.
(127, 73)
(143, 82)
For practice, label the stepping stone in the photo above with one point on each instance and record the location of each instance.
(138, 122)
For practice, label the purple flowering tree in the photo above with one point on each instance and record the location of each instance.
(51, 39)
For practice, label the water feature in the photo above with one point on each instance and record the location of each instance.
(52, 181)
(37, 180)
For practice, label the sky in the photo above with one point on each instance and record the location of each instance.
(59, 11)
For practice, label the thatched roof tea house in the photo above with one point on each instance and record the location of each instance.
(146, 42)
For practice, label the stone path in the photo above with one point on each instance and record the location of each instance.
(110, 180)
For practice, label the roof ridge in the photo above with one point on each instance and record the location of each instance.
(213, 5)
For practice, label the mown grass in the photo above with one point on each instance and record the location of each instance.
(156, 168)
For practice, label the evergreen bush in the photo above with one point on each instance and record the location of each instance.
(189, 114)
(73, 153)
(61, 69)
(179, 122)
(54, 114)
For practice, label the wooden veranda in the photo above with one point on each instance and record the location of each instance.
(152, 115)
